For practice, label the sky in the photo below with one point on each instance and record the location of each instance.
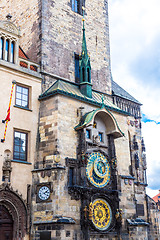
(135, 64)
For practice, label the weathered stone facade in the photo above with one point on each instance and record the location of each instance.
(85, 175)
(52, 34)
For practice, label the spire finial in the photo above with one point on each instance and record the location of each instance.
(102, 97)
(9, 16)
(83, 8)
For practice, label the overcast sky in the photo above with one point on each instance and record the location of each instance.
(135, 60)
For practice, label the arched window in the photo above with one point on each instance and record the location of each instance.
(88, 73)
(7, 51)
(83, 74)
(12, 52)
(1, 47)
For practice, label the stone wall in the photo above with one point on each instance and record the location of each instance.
(52, 34)
(62, 37)
(58, 140)
(25, 14)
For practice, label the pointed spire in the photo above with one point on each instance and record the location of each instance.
(84, 45)
(85, 66)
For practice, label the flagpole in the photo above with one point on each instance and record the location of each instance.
(7, 119)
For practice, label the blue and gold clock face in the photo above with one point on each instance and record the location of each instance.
(101, 214)
(98, 170)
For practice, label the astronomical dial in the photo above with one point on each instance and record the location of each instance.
(101, 214)
(98, 170)
(44, 193)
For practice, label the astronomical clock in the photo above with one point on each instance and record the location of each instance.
(98, 170)
(93, 180)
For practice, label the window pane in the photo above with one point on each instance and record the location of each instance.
(76, 6)
(23, 136)
(18, 89)
(22, 149)
(20, 145)
(77, 73)
(22, 156)
(16, 155)
(7, 50)
(17, 134)
(25, 91)
(22, 96)
(1, 47)
(16, 148)
(73, 5)
(100, 136)
(24, 104)
(18, 95)
(18, 102)
(12, 52)
(88, 133)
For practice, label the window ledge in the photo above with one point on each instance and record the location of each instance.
(17, 106)
(19, 161)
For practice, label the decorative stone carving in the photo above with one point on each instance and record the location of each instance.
(17, 209)
(7, 166)
(9, 27)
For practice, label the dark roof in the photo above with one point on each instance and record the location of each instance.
(71, 89)
(119, 91)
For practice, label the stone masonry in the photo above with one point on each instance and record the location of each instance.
(52, 34)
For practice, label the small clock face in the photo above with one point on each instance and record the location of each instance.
(98, 170)
(102, 214)
(44, 193)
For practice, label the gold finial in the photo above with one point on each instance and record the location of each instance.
(83, 8)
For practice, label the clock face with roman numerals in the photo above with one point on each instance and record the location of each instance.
(102, 214)
(98, 170)
(44, 193)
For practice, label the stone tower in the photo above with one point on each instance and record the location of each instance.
(52, 35)
(89, 171)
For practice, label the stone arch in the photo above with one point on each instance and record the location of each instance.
(108, 118)
(17, 209)
(9, 27)
(110, 122)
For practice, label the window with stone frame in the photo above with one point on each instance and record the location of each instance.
(7, 49)
(101, 136)
(77, 72)
(88, 133)
(20, 146)
(22, 96)
(45, 235)
(1, 47)
(76, 6)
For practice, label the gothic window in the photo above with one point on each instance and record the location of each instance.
(88, 73)
(88, 133)
(139, 209)
(83, 74)
(22, 96)
(20, 146)
(100, 134)
(71, 173)
(77, 6)
(77, 73)
(12, 52)
(7, 51)
(1, 48)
